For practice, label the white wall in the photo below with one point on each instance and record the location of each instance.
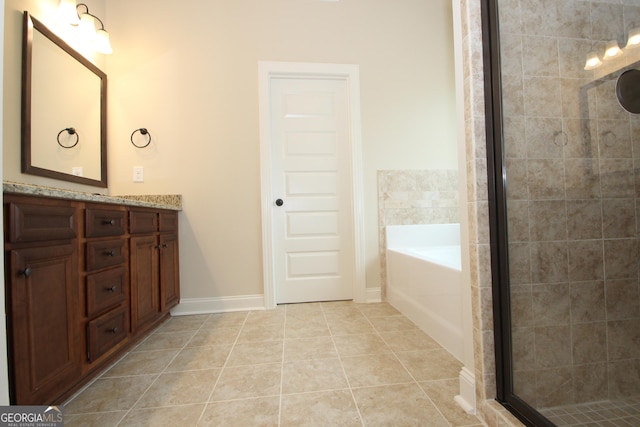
(188, 73)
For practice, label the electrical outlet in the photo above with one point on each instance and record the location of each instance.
(138, 174)
(76, 170)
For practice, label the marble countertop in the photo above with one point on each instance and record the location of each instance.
(165, 201)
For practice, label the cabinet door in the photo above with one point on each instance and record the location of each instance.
(169, 273)
(145, 299)
(43, 323)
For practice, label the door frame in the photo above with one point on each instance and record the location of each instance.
(351, 74)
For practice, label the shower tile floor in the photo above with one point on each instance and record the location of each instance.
(336, 363)
(618, 413)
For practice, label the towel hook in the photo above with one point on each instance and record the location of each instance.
(143, 131)
(70, 131)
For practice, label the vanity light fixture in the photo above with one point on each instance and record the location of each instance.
(593, 61)
(634, 38)
(86, 23)
(612, 50)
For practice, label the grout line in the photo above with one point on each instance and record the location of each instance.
(223, 366)
(344, 372)
(163, 370)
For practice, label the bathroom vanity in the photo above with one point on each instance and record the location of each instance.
(86, 277)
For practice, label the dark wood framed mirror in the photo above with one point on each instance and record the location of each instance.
(64, 110)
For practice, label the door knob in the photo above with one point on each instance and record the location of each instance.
(279, 202)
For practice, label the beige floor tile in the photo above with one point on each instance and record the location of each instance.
(359, 345)
(225, 320)
(330, 408)
(344, 313)
(426, 365)
(261, 412)
(373, 370)
(409, 340)
(309, 348)
(300, 376)
(255, 353)
(309, 329)
(244, 382)
(110, 394)
(377, 310)
(398, 405)
(272, 318)
(165, 341)
(142, 363)
(442, 393)
(262, 332)
(350, 327)
(180, 388)
(100, 419)
(393, 323)
(304, 310)
(214, 336)
(183, 323)
(171, 416)
(193, 358)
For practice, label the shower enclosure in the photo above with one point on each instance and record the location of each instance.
(564, 178)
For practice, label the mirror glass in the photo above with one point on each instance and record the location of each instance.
(63, 110)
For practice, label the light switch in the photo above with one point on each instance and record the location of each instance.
(138, 174)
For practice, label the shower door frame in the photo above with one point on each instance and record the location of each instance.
(497, 174)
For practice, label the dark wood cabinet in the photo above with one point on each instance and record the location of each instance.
(145, 300)
(43, 321)
(154, 265)
(84, 282)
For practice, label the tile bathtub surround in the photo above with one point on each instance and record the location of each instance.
(314, 364)
(407, 197)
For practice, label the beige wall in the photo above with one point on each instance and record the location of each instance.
(188, 73)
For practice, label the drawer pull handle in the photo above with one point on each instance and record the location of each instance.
(26, 272)
(109, 222)
(110, 253)
(113, 330)
(112, 289)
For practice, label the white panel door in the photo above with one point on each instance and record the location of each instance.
(311, 183)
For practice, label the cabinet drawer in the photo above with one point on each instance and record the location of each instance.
(35, 222)
(106, 289)
(105, 253)
(105, 332)
(143, 222)
(104, 222)
(168, 221)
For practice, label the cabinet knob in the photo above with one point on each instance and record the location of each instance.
(164, 245)
(112, 288)
(110, 253)
(26, 272)
(113, 330)
(109, 222)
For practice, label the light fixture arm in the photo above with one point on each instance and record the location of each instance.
(90, 14)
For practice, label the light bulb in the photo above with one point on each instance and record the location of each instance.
(67, 12)
(593, 61)
(102, 44)
(634, 38)
(87, 28)
(612, 50)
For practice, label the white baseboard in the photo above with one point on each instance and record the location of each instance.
(373, 295)
(467, 397)
(218, 305)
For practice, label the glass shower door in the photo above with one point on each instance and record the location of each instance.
(570, 170)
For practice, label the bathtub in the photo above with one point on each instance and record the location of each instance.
(424, 279)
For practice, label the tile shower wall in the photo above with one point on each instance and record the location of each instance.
(407, 197)
(573, 182)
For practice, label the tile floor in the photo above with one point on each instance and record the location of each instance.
(616, 413)
(321, 364)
